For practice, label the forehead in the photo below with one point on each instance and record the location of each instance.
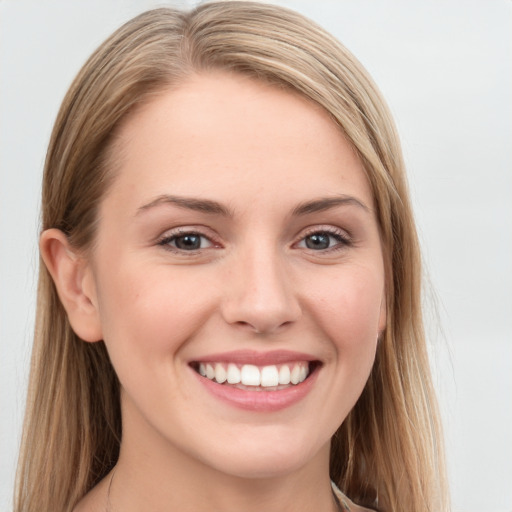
(234, 137)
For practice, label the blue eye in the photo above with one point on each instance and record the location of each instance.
(186, 242)
(324, 240)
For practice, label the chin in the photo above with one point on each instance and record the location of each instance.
(268, 459)
(261, 468)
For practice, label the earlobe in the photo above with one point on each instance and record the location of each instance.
(73, 278)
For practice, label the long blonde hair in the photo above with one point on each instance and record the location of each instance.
(388, 453)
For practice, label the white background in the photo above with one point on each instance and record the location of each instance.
(445, 69)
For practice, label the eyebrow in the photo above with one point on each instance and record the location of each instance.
(215, 208)
(326, 203)
(190, 203)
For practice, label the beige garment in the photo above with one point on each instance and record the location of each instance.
(346, 503)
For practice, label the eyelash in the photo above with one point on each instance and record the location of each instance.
(167, 239)
(343, 240)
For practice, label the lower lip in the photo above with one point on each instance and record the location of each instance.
(259, 401)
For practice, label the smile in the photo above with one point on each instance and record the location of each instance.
(262, 382)
(269, 377)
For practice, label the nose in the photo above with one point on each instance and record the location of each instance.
(259, 293)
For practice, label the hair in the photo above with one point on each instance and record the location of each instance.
(388, 453)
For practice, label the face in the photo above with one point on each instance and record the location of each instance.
(238, 276)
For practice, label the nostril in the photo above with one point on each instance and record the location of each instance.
(255, 327)
(263, 328)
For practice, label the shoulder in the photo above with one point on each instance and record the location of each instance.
(347, 504)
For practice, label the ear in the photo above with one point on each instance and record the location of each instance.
(74, 280)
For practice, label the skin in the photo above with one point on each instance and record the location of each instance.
(254, 284)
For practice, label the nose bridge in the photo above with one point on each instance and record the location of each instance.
(260, 293)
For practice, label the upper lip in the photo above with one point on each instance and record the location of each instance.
(256, 358)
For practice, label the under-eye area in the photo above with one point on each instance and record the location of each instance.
(257, 378)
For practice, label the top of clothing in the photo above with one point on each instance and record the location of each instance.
(345, 504)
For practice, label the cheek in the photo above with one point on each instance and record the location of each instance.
(149, 315)
(348, 307)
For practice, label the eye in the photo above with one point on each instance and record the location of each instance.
(186, 242)
(324, 240)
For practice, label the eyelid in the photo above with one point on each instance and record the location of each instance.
(344, 235)
(170, 234)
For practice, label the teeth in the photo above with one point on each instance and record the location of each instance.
(220, 373)
(295, 375)
(284, 375)
(210, 372)
(233, 376)
(251, 375)
(269, 376)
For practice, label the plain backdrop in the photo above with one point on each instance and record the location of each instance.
(445, 68)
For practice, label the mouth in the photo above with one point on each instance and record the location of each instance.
(251, 377)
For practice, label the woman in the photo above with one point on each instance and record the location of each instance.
(229, 301)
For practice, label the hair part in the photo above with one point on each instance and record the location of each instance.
(388, 452)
